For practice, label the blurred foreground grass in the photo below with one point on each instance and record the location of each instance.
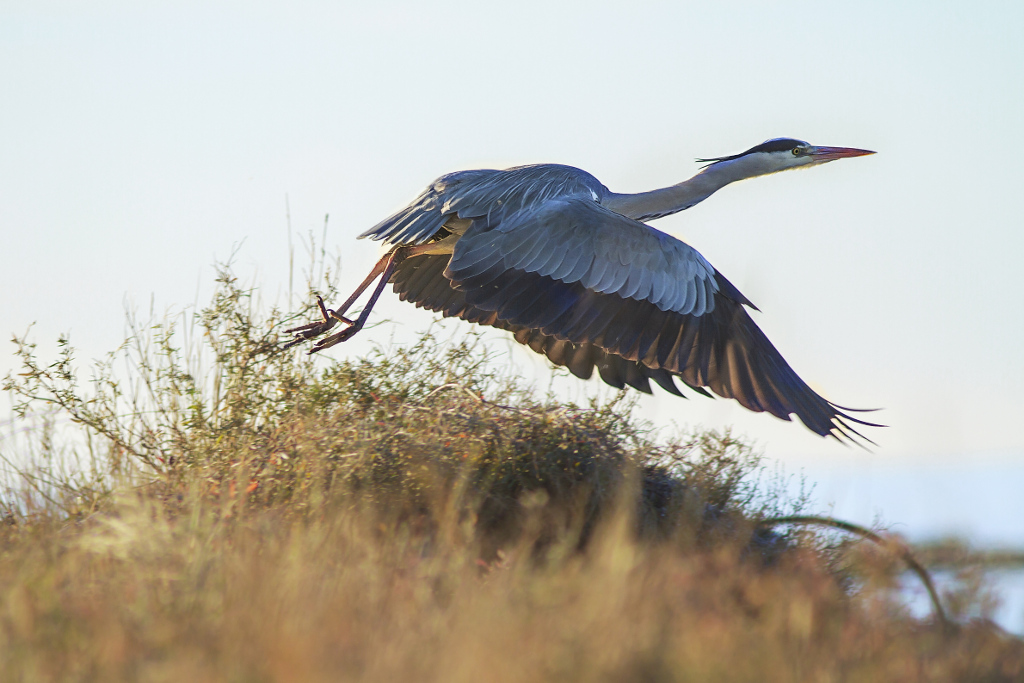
(223, 511)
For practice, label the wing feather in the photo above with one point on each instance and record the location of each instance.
(486, 194)
(723, 350)
(625, 256)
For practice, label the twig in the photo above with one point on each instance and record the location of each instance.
(888, 543)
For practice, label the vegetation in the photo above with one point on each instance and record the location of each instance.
(217, 509)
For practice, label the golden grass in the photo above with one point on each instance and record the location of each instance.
(203, 591)
(417, 516)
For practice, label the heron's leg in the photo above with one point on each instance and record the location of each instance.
(385, 267)
(331, 317)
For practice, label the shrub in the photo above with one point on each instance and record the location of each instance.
(230, 510)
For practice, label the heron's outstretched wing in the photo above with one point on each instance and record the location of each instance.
(596, 279)
(488, 196)
(576, 240)
(421, 281)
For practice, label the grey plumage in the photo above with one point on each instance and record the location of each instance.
(486, 195)
(575, 239)
(549, 254)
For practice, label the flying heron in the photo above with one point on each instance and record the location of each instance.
(571, 269)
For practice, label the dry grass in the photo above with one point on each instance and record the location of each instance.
(415, 515)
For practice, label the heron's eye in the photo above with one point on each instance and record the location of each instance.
(796, 151)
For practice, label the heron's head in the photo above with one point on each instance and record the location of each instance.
(781, 154)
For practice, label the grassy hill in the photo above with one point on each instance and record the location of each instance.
(225, 511)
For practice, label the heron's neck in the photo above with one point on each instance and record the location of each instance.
(668, 200)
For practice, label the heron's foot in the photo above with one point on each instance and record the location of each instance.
(344, 335)
(312, 330)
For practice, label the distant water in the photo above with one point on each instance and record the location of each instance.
(980, 501)
(1007, 584)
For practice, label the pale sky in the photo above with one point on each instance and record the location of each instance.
(143, 141)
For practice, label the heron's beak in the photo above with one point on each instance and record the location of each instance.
(822, 154)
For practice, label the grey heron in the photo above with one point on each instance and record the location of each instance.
(571, 269)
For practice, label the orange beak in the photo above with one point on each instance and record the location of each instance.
(833, 153)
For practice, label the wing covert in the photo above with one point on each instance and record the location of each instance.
(487, 196)
(576, 240)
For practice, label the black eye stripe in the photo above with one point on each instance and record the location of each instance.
(777, 145)
(780, 145)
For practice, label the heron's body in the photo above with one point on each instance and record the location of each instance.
(550, 254)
